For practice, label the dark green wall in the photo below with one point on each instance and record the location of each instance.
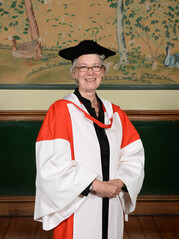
(161, 146)
(17, 156)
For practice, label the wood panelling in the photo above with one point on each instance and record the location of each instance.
(134, 115)
(153, 115)
(13, 206)
(146, 205)
(157, 205)
(22, 115)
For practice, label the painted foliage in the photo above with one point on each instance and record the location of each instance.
(144, 33)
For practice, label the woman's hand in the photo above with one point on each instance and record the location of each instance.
(109, 189)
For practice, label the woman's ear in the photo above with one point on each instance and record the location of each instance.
(74, 73)
(103, 71)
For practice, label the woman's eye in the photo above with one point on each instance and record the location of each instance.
(83, 67)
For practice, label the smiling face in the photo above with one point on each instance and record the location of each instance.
(88, 81)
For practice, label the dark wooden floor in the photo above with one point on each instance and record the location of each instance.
(138, 227)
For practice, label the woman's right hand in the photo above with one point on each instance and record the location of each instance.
(105, 189)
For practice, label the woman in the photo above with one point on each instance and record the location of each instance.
(90, 159)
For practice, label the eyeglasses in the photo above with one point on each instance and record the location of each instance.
(86, 68)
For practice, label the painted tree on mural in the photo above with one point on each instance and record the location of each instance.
(118, 4)
(154, 22)
(33, 27)
(13, 16)
(20, 17)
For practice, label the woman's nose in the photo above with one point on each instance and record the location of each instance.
(90, 71)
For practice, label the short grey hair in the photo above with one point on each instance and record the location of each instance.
(101, 57)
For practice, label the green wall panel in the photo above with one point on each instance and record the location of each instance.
(161, 144)
(17, 157)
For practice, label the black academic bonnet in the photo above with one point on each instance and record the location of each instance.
(83, 48)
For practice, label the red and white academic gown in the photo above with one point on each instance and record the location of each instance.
(68, 159)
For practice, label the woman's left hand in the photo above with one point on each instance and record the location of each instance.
(118, 183)
(110, 189)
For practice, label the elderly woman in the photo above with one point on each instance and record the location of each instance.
(90, 159)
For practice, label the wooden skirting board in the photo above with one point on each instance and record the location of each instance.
(134, 115)
(146, 205)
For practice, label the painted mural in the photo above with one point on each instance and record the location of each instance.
(144, 34)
